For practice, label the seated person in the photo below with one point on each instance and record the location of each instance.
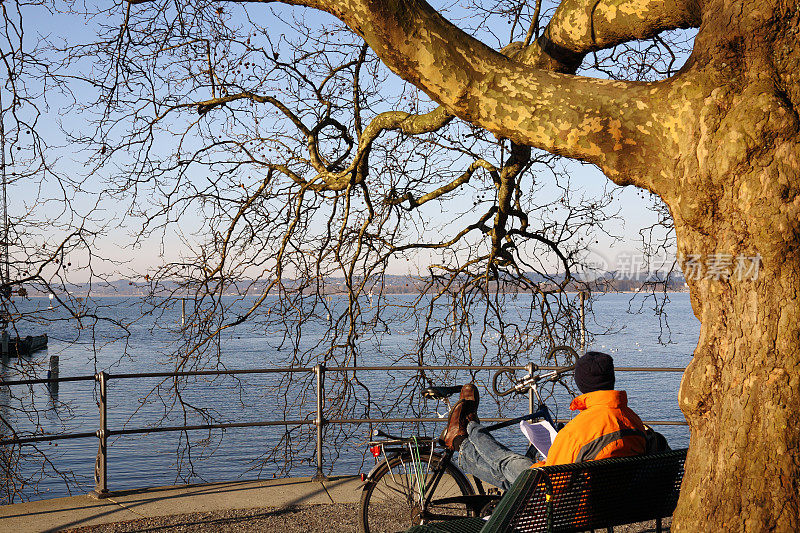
(605, 427)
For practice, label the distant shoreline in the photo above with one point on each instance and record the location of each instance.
(387, 292)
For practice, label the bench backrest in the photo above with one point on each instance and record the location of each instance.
(591, 495)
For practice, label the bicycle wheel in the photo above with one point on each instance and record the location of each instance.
(390, 501)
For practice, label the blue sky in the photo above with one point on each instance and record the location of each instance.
(115, 244)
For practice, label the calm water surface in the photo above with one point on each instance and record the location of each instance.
(631, 333)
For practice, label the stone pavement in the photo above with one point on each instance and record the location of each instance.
(84, 510)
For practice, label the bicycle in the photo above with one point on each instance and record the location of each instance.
(417, 481)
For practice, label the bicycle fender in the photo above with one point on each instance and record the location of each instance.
(372, 471)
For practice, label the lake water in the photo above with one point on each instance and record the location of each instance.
(633, 335)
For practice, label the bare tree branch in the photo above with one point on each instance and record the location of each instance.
(512, 100)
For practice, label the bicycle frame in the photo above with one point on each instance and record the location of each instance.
(399, 446)
(440, 459)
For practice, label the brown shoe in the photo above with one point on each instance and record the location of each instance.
(469, 392)
(456, 430)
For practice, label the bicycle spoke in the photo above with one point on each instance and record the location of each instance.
(394, 501)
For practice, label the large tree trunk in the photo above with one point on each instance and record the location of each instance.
(737, 195)
(741, 395)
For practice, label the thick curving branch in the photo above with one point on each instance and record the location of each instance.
(407, 123)
(331, 177)
(597, 121)
(414, 202)
(506, 183)
(580, 27)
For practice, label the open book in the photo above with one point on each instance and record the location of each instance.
(540, 434)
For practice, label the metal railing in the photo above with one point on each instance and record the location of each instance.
(103, 432)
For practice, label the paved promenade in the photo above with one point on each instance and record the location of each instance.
(77, 511)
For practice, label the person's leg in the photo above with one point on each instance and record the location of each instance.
(471, 461)
(487, 457)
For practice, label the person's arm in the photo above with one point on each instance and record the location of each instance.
(563, 450)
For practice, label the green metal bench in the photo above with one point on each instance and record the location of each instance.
(582, 496)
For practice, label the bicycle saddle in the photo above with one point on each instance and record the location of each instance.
(440, 393)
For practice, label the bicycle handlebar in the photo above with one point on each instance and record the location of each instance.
(525, 383)
(518, 387)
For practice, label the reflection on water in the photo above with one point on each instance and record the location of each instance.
(156, 459)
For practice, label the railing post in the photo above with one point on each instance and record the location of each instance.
(101, 462)
(583, 322)
(319, 371)
(530, 367)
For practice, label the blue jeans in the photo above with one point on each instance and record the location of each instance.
(488, 460)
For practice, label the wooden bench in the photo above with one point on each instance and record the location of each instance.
(582, 496)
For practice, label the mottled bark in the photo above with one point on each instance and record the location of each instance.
(579, 27)
(741, 395)
(735, 191)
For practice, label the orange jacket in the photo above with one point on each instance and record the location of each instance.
(605, 427)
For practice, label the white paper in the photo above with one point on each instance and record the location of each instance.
(540, 434)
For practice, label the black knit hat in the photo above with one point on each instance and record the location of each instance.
(594, 371)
